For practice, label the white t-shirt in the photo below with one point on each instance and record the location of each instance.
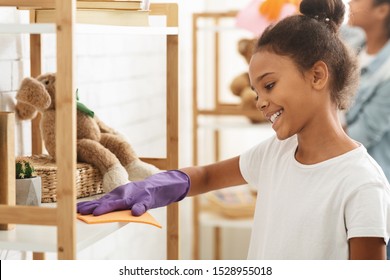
(310, 211)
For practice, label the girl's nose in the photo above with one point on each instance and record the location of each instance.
(262, 104)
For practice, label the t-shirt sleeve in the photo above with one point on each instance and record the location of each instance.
(251, 162)
(367, 212)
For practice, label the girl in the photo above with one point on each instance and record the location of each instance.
(320, 195)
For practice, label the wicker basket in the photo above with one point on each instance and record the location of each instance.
(232, 203)
(88, 178)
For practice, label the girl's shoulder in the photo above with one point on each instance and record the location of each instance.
(361, 169)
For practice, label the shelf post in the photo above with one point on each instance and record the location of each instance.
(219, 108)
(66, 131)
(36, 70)
(172, 92)
(7, 162)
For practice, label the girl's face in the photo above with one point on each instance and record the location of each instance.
(361, 13)
(284, 94)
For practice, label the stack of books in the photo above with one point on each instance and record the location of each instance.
(107, 12)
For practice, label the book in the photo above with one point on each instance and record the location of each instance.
(122, 5)
(106, 17)
(81, 4)
(110, 0)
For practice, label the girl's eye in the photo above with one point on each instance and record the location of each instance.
(256, 98)
(269, 86)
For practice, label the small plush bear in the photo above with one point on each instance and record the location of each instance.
(240, 86)
(97, 143)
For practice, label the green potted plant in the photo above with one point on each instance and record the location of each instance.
(28, 184)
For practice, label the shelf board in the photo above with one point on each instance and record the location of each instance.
(38, 238)
(44, 238)
(219, 28)
(230, 109)
(42, 28)
(232, 122)
(31, 3)
(37, 28)
(133, 30)
(232, 13)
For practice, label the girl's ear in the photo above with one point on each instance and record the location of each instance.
(320, 75)
(383, 10)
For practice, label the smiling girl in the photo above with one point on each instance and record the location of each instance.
(320, 195)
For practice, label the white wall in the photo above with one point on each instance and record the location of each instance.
(13, 66)
(119, 74)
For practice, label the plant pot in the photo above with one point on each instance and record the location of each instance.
(29, 191)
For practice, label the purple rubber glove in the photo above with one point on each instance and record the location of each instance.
(155, 191)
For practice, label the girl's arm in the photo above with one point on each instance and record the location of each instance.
(214, 176)
(367, 248)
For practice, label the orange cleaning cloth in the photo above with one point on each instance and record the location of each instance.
(119, 216)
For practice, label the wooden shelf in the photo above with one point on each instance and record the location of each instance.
(228, 109)
(131, 30)
(42, 28)
(215, 117)
(219, 122)
(43, 238)
(38, 238)
(30, 3)
(38, 28)
(57, 229)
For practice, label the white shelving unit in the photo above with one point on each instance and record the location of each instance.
(56, 229)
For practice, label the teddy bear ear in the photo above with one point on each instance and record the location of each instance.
(242, 46)
(33, 93)
(246, 48)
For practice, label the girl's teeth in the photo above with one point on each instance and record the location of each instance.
(275, 116)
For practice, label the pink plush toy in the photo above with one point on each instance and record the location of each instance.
(259, 14)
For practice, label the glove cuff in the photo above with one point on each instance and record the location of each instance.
(184, 177)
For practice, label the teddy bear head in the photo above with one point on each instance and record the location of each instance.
(246, 48)
(35, 95)
(240, 85)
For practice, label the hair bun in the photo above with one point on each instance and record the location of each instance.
(330, 12)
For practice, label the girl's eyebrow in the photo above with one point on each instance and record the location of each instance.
(258, 79)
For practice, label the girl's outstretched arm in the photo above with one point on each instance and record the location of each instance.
(215, 176)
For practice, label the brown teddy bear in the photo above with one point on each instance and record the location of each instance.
(97, 144)
(241, 87)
